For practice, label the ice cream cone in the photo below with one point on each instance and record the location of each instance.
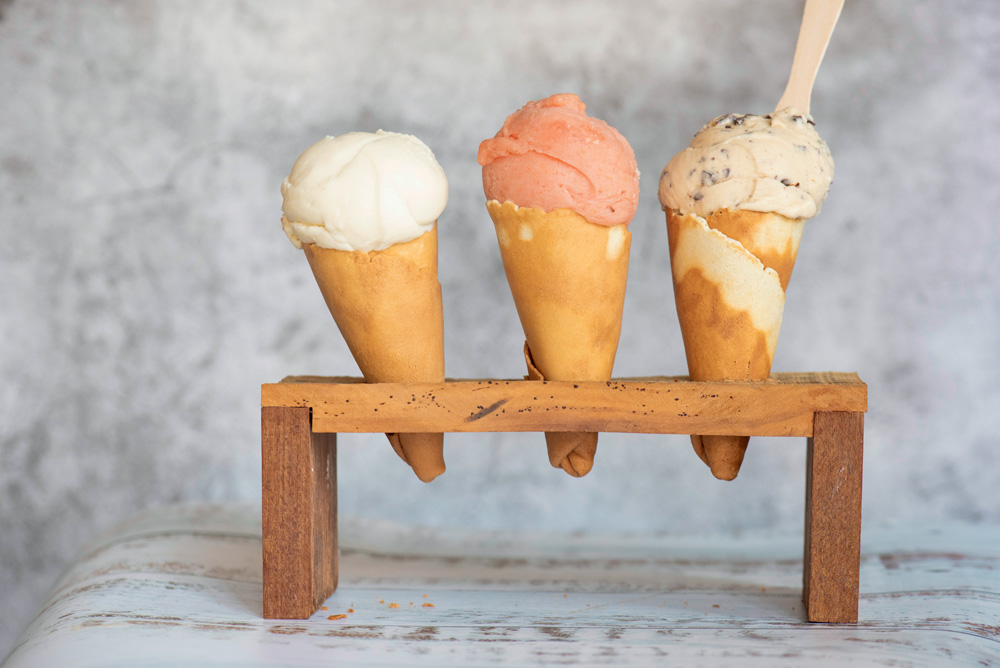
(737, 199)
(567, 277)
(387, 304)
(730, 271)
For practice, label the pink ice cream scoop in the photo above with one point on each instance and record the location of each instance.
(551, 155)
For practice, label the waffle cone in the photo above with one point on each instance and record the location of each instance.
(730, 272)
(387, 305)
(567, 276)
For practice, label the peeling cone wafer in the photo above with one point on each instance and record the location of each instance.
(387, 305)
(567, 276)
(730, 304)
(770, 237)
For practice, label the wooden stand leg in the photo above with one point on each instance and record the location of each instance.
(832, 559)
(299, 504)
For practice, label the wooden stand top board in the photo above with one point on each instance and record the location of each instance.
(784, 405)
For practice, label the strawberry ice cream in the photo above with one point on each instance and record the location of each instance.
(551, 155)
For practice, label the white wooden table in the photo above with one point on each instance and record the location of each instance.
(182, 586)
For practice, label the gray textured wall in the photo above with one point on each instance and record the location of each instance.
(146, 288)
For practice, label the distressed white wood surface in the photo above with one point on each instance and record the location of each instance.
(182, 586)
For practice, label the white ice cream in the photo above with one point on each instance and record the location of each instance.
(363, 191)
(773, 163)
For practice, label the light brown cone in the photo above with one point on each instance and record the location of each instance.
(729, 274)
(567, 276)
(387, 305)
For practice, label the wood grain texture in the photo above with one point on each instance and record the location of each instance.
(299, 513)
(181, 586)
(781, 406)
(833, 517)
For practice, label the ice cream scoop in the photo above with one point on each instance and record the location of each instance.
(772, 163)
(551, 155)
(561, 188)
(363, 191)
(364, 207)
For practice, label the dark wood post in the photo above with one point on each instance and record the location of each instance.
(299, 513)
(832, 559)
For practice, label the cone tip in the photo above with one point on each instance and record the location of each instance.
(577, 465)
(723, 454)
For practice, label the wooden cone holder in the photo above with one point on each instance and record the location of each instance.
(301, 416)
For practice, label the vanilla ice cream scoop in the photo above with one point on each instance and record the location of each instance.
(775, 163)
(363, 191)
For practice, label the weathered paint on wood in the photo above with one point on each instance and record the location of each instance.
(182, 586)
(781, 406)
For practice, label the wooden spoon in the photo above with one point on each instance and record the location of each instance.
(818, 21)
